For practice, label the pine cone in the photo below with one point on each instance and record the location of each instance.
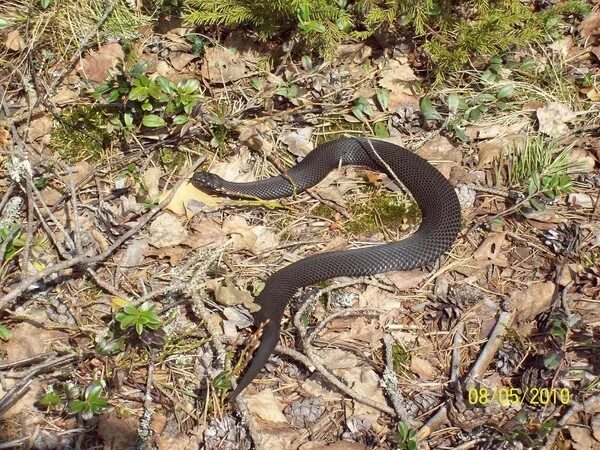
(563, 239)
(589, 281)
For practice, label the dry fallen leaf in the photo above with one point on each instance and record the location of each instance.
(13, 41)
(180, 59)
(553, 119)
(188, 200)
(298, 141)
(206, 232)
(581, 160)
(266, 406)
(580, 200)
(399, 78)
(151, 177)
(228, 293)
(166, 230)
(117, 432)
(256, 135)
(235, 320)
(27, 340)
(582, 439)
(244, 238)
(442, 153)
(266, 239)
(423, 368)
(222, 66)
(407, 279)
(4, 137)
(64, 96)
(174, 253)
(96, 64)
(533, 300)
(26, 403)
(595, 426)
(590, 26)
(364, 381)
(492, 149)
(39, 128)
(489, 250)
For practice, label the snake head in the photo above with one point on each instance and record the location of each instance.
(207, 181)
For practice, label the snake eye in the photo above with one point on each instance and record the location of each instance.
(206, 180)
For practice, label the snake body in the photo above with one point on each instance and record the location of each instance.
(440, 210)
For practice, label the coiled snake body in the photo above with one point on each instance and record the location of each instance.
(440, 210)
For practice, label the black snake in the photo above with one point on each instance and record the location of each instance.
(440, 210)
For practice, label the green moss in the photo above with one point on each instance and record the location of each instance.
(382, 211)
(400, 358)
(80, 134)
(171, 159)
(324, 211)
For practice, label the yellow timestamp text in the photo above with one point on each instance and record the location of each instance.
(516, 396)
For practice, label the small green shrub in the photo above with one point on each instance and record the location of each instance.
(454, 32)
(144, 316)
(92, 402)
(407, 437)
(68, 395)
(153, 103)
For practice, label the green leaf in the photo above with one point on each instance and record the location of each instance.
(189, 86)
(4, 333)
(306, 62)
(535, 204)
(103, 88)
(3, 23)
(453, 102)
(180, 120)
(505, 91)
(380, 130)
(344, 24)
(139, 327)
(309, 27)
(51, 399)
(45, 3)
(93, 390)
(113, 96)
(488, 76)
(138, 93)
(293, 91)
(358, 113)
(130, 309)
(383, 97)
(429, 112)
(256, 84)
(485, 98)
(76, 406)
(528, 64)
(476, 114)
(164, 84)
(153, 121)
(147, 106)
(460, 133)
(304, 12)
(552, 361)
(128, 120)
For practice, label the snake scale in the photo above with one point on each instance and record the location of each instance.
(437, 200)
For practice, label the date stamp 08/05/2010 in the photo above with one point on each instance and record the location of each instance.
(530, 395)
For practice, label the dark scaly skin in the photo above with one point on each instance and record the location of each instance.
(440, 224)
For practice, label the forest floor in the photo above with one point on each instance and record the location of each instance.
(124, 290)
